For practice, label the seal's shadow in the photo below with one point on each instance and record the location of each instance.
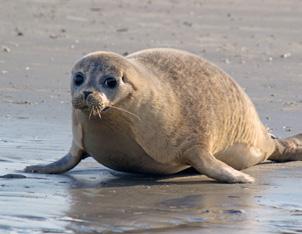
(110, 178)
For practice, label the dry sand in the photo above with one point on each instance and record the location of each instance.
(258, 42)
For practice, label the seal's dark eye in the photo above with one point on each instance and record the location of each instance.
(78, 79)
(110, 83)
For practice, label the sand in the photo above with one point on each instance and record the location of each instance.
(258, 42)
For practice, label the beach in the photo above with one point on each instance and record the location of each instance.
(259, 43)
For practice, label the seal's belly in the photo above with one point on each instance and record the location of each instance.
(121, 152)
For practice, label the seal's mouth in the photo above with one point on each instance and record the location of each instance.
(92, 105)
(94, 111)
(95, 107)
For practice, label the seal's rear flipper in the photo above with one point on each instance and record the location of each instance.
(205, 163)
(288, 149)
(64, 164)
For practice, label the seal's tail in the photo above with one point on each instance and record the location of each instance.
(288, 149)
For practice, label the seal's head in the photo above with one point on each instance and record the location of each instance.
(99, 81)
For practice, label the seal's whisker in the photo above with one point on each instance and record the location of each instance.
(128, 112)
(99, 112)
(91, 110)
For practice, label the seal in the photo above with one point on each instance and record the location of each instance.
(161, 111)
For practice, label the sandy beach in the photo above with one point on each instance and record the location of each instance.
(259, 43)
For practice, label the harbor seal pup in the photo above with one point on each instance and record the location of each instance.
(161, 111)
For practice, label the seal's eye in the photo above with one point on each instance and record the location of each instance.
(110, 83)
(78, 79)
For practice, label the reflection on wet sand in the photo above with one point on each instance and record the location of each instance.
(108, 201)
(31, 203)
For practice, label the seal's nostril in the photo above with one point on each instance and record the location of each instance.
(86, 94)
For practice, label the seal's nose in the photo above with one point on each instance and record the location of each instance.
(86, 94)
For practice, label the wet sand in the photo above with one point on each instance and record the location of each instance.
(258, 42)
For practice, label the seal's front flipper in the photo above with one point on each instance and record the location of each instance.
(64, 164)
(289, 149)
(205, 163)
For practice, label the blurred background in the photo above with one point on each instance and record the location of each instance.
(258, 42)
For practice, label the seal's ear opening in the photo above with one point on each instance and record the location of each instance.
(125, 79)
